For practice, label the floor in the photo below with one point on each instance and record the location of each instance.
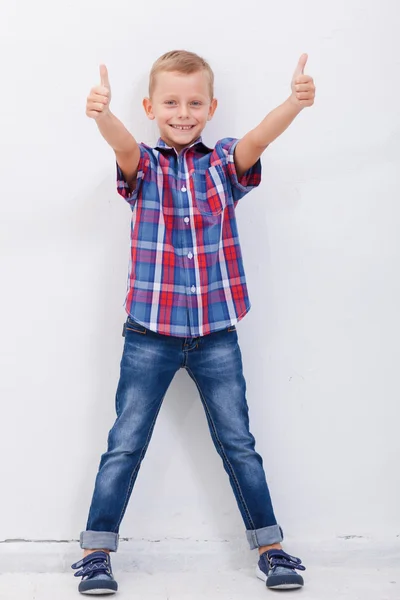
(343, 569)
(322, 584)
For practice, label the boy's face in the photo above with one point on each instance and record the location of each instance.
(181, 105)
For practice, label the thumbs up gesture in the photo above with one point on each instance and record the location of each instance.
(303, 88)
(98, 101)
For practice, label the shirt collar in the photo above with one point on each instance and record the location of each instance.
(161, 145)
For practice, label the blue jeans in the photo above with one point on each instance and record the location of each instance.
(149, 363)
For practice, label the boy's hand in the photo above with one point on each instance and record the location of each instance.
(253, 144)
(98, 101)
(303, 88)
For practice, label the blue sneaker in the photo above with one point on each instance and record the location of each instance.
(278, 570)
(96, 573)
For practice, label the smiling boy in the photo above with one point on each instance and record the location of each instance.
(186, 293)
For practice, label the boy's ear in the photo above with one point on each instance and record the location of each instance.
(213, 108)
(148, 108)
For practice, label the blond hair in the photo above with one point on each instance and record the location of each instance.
(182, 62)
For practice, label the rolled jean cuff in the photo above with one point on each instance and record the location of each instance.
(264, 537)
(93, 540)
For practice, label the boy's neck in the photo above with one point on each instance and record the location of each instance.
(179, 149)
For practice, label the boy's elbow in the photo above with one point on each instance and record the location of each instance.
(247, 154)
(128, 162)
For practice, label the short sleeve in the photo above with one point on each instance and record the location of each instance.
(123, 186)
(249, 180)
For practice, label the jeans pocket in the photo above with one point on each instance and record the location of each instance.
(210, 190)
(131, 325)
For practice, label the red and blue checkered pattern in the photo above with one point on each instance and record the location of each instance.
(186, 275)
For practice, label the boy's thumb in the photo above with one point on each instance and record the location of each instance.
(104, 76)
(301, 65)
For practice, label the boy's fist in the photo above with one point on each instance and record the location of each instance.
(98, 101)
(303, 88)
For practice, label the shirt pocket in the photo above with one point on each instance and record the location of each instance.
(210, 190)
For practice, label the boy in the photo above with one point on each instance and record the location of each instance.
(186, 292)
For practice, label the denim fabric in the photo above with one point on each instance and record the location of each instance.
(149, 363)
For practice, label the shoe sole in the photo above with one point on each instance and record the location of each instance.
(98, 592)
(282, 586)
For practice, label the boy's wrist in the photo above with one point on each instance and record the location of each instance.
(104, 116)
(293, 105)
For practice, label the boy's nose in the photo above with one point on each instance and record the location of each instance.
(183, 112)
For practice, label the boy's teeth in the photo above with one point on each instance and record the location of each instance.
(187, 127)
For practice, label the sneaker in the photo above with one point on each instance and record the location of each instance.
(96, 573)
(278, 570)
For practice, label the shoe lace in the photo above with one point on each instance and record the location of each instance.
(279, 558)
(93, 564)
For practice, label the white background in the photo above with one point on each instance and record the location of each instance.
(321, 249)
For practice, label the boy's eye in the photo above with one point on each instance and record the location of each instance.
(172, 103)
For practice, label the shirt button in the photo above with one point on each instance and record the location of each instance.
(193, 289)
(190, 255)
(186, 219)
(183, 189)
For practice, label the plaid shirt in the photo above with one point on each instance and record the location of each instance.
(186, 275)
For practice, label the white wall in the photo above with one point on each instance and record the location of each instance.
(321, 248)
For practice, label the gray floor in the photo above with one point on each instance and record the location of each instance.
(351, 569)
(322, 584)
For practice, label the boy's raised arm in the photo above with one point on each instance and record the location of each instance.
(253, 144)
(113, 131)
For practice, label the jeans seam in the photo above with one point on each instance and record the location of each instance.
(255, 540)
(136, 469)
(223, 451)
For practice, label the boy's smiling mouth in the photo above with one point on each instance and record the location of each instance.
(182, 127)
